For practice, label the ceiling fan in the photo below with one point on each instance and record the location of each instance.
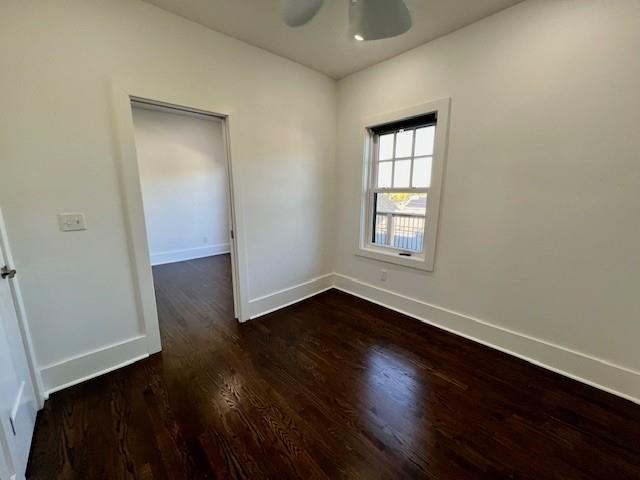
(368, 19)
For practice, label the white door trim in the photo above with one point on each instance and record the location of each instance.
(163, 95)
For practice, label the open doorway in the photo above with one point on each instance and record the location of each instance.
(184, 174)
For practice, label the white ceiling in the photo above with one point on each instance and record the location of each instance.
(324, 44)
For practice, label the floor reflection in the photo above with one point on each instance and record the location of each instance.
(395, 395)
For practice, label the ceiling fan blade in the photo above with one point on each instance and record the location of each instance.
(298, 12)
(377, 19)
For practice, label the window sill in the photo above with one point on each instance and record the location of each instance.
(392, 256)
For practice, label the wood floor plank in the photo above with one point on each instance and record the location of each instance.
(333, 387)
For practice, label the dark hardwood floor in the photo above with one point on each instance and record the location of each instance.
(333, 387)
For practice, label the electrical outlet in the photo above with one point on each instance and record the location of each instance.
(71, 222)
(383, 275)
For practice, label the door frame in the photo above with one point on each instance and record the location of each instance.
(123, 94)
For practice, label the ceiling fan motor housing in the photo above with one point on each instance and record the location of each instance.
(378, 19)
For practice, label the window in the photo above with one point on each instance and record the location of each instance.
(404, 159)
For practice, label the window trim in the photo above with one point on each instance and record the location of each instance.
(365, 247)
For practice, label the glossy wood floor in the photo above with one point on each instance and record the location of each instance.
(333, 387)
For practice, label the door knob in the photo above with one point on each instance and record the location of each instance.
(6, 272)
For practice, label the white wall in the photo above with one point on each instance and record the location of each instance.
(182, 164)
(540, 218)
(59, 154)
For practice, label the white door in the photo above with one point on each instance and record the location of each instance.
(17, 399)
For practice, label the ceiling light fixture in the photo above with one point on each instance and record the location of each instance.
(358, 37)
(378, 19)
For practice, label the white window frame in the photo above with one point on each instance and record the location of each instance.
(366, 248)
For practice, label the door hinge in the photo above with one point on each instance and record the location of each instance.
(232, 236)
(6, 272)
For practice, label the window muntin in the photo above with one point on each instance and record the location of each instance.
(402, 160)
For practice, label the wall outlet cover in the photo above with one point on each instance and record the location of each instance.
(71, 222)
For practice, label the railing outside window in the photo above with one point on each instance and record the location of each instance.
(400, 230)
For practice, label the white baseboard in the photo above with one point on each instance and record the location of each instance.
(92, 364)
(616, 379)
(173, 256)
(283, 298)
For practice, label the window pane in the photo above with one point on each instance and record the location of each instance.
(399, 220)
(401, 175)
(380, 236)
(422, 172)
(385, 150)
(384, 174)
(424, 140)
(404, 143)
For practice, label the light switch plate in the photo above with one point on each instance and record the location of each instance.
(71, 222)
